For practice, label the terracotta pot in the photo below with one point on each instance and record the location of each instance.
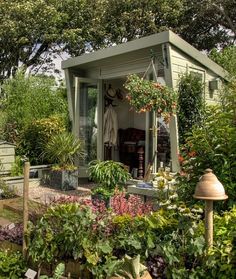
(146, 275)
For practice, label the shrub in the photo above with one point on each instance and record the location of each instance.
(31, 98)
(108, 174)
(35, 136)
(17, 167)
(207, 147)
(190, 103)
(222, 258)
(5, 192)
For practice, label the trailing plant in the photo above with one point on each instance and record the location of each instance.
(11, 265)
(190, 103)
(108, 174)
(62, 149)
(147, 95)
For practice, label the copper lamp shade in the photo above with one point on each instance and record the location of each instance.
(209, 188)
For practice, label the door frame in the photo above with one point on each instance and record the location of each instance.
(76, 116)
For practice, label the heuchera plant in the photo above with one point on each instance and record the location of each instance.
(14, 235)
(147, 95)
(132, 205)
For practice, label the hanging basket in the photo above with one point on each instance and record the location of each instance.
(147, 95)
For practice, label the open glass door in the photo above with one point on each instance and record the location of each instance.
(151, 140)
(86, 119)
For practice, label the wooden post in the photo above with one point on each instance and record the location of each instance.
(140, 163)
(25, 204)
(209, 223)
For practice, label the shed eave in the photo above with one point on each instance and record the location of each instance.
(153, 40)
(137, 44)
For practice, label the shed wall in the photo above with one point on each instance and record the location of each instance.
(7, 157)
(182, 63)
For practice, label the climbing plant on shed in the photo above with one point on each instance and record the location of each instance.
(190, 103)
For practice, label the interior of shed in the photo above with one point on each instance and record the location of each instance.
(130, 146)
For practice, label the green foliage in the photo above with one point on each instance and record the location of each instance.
(76, 26)
(108, 174)
(17, 167)
(221, 261)
(11, 265)
(130, 268)
(51, 240)
(190, 103)
(226, 58)
(207, 147)
(102, 238)
(6, 193)
(59, 271)
(35, 136)
(29, 99)
(62, 149)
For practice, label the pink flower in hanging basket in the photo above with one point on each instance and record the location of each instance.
(147, 95)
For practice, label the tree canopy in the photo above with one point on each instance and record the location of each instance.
(32, 31)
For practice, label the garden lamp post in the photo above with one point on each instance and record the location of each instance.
(209, 189)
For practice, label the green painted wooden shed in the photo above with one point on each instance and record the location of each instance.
(95, 81)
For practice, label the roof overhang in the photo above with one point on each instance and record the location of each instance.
(146, 42)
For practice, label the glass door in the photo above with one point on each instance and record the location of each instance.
(151, 140)
(86, 118)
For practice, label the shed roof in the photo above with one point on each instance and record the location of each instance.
(6, 143)
(145, 42)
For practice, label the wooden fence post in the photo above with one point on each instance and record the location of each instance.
(25, 204)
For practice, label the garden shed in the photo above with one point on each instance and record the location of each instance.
(7, 157)
(95, 82)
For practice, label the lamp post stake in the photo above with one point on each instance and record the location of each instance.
(209, 223)
(209, 189)
(25, 204)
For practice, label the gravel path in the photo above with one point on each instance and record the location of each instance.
(45, 194)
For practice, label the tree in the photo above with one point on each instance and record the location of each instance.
(29, 99)
(32, 31)
(209, 23)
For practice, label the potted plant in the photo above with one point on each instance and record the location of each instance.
(131, 268)
(109, 175)
(62, 150)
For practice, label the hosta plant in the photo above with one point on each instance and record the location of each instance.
(108, 174)
(131, 268)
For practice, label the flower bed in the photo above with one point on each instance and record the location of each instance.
(98, 237)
